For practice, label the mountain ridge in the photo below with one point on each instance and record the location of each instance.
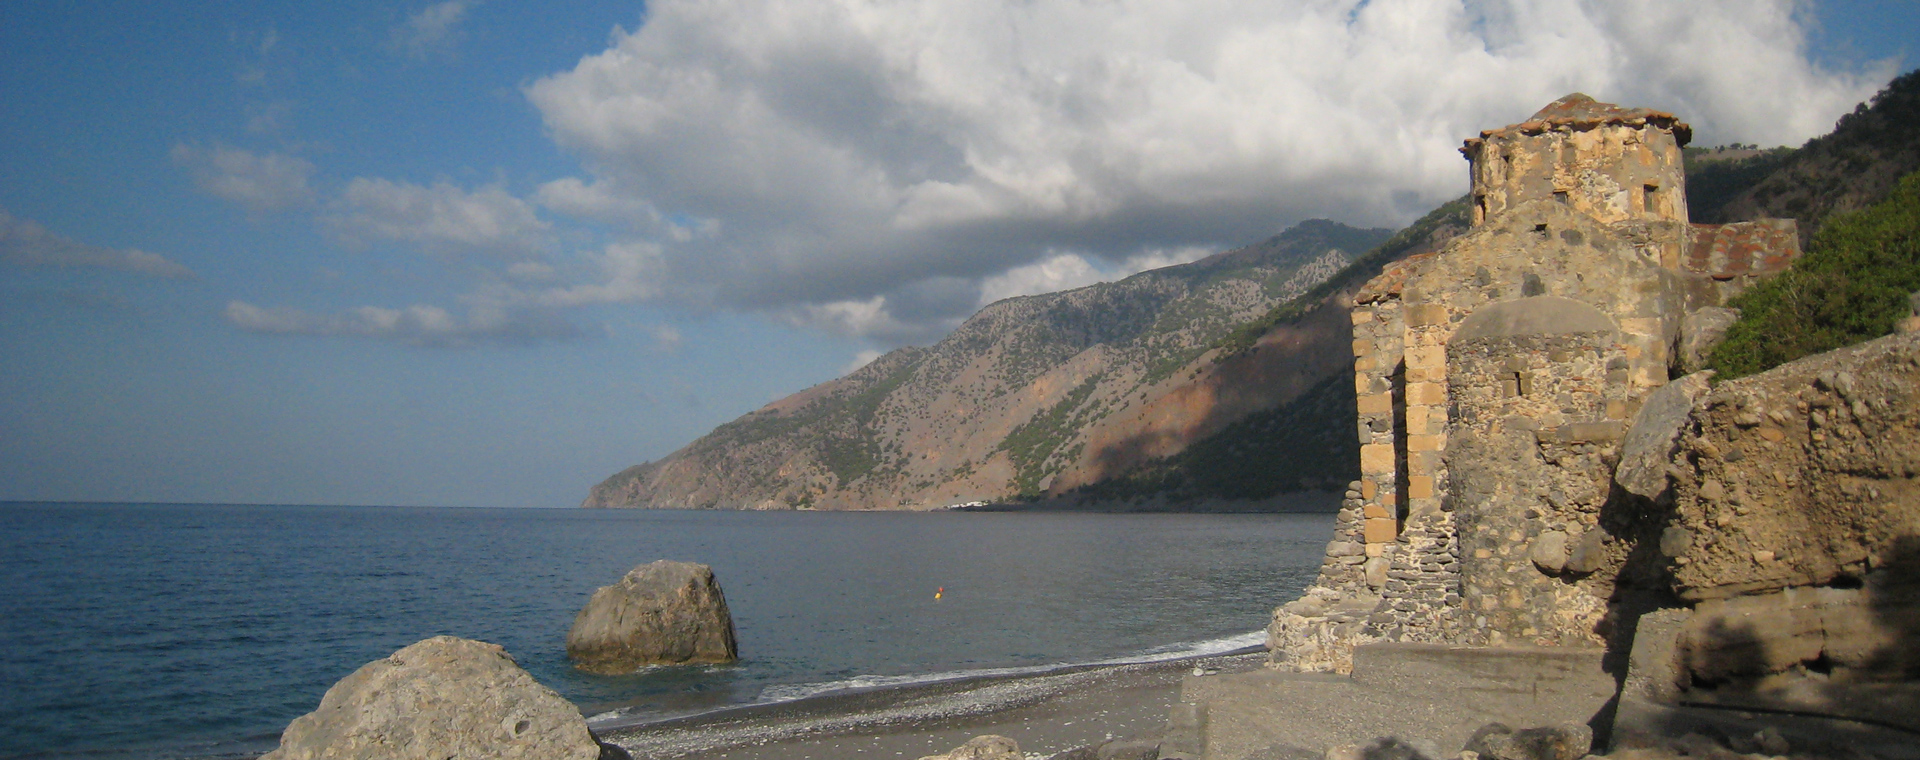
(1006, 403)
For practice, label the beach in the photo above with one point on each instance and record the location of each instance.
(1046, 713)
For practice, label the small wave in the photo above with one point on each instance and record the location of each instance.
(1177, 651)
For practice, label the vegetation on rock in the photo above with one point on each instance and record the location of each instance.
(1853, 285)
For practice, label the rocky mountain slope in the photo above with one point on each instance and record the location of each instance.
(1043, 396)
(1849, 169)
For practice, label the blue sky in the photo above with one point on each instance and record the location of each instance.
(486, 252)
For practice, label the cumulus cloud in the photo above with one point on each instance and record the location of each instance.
(259, 182)
(1067, 271)
(417, 325)
(826, 157)
(23, 242)
(433, 29)
(441, 218)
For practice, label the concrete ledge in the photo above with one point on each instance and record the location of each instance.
(1417, 692)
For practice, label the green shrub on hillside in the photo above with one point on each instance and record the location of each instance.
(1852, 285)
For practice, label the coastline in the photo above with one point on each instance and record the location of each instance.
(1047, 713)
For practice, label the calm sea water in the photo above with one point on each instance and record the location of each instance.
(173, 631)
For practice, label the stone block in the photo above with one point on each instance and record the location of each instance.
(1591, 432)
(1377, 511)
(1425, 442)
(1426, 394)
(1362, 347)
(1365, 364)
(1653, 665)
(1375, 403)
(1422, 315)
(1381, 530)
(1376, 459)
(1700, 331)
(1751, 635)
(1376, 571)
(1419, 420)
(1426, 356)
(1362, 316)
(1419, 486)
(1368, 488)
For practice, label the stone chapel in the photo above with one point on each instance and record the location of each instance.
(1495, 380)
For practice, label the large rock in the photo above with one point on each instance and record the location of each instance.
(1702, 330)
(988, 747)
(663, 613)
(1650, 443)
(442, 697)
(1804, 475)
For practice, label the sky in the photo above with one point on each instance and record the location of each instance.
(488, 252)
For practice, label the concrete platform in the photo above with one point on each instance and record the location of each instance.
(1420, 693)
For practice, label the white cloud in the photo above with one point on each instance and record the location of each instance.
(869, 318)
(665, 337)
(835, 152)
(1061, 272)
(441, 218)
(417, 325)
(24, 242)
(861, 359)
(433, 29)
(1067, 271)
(259, 182)
(628, 273)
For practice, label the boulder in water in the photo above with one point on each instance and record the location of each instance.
(663, 613)
(439, 698)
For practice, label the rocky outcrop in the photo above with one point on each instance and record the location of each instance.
(1496, 741)
(1803, 475)
(988, 747)
(1036, 396)
(663, 613)
(439, 698)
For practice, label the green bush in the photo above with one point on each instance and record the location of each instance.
(1852, 285)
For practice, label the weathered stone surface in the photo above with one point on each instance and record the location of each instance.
(439, 698)
(1539, 315)
(1832, 499)
(661, 613)
(1700, 331)
(1496, 741)
(1650, 443)
(1395, 748)
(988, 747)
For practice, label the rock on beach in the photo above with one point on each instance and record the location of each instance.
(439, 698)
(987, 747)
(662, 613)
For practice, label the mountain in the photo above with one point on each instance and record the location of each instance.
(1853, 167)
(1041, 397)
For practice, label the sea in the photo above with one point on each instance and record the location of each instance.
(166, 631)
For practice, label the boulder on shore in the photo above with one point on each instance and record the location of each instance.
(663, 613)
(439, 698)
(986, 747)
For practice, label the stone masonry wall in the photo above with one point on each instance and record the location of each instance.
(1537, 419)
(1613, 172)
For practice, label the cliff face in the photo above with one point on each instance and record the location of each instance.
(1036, 396)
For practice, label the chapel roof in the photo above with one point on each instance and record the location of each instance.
(1577, 111)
